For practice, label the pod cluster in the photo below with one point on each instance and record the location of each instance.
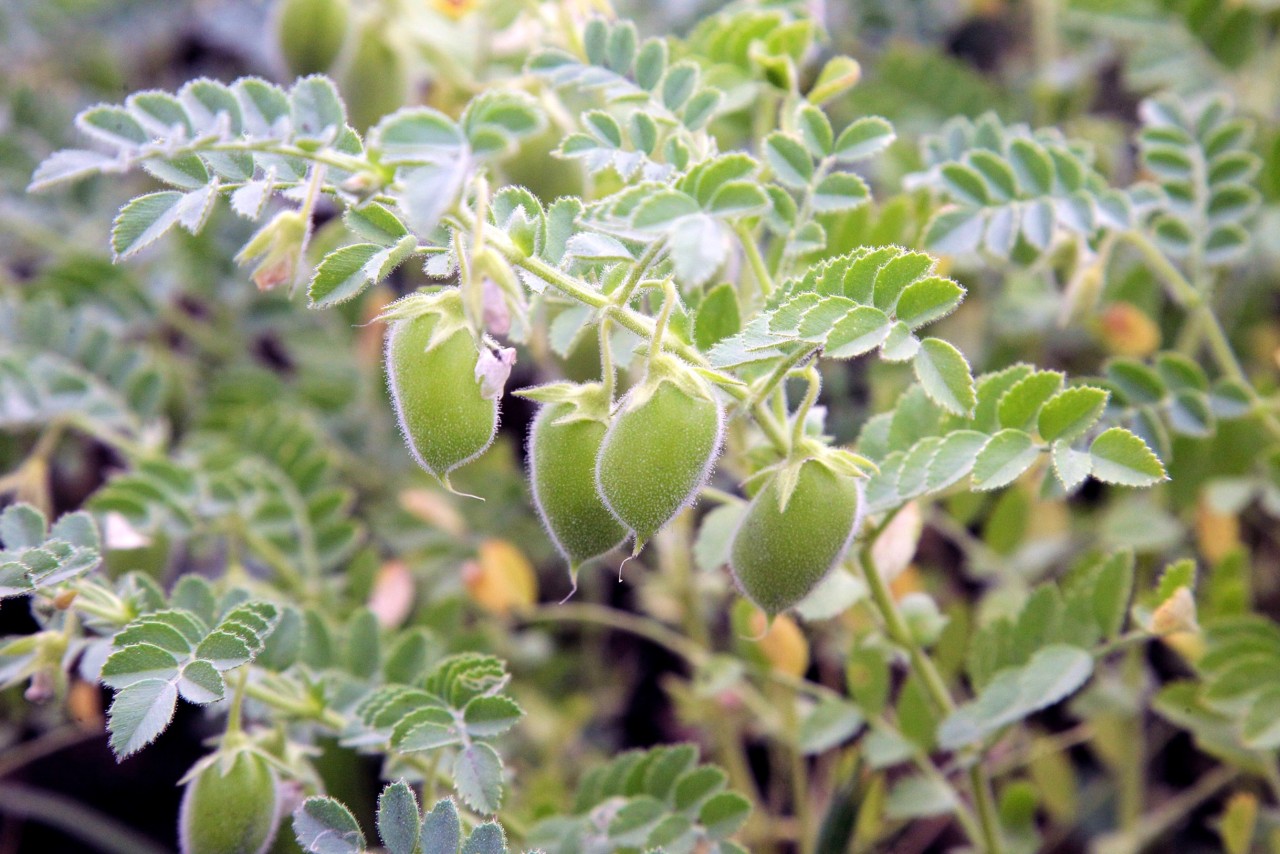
(600, 477)
(602, 473)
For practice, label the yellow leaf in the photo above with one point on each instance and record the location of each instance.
(501, 579)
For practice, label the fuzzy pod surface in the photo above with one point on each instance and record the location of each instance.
(444, 417)
(311, 33)
(231, 806)
(657, 454)
(562, 464)
(779, 554)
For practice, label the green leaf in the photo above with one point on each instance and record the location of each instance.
(200, 683)
(718, 317)
(323, 825)
(1070, 465)
(919, 797)
(487, 838)
(957, 231)
(140, 712)
(815, 130)
(634, 821)
(964, 184)
(672, 762)
(375, 223)
(490, 716)
(841, 191)
(723, 814)
(1112, 590)
(147, 218)
(738, 199)
(22, 527)
(863, 138)
(138, 662)
(416, 135)
(831, 722)
(442, 829)
(926, 300)
(861, 330)
(944, 374)
(1120, 457)
(1003, 459)
(694, 787)
(661, 209)
(398, 819)
(787, 157)
(1052, 674)
(1069, 413)
(1181, 573)
(1019, 407)
(346, 272)
(477, 775)
(316, 109)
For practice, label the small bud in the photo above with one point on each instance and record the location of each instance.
(1175, 614)
(493, 369)
(393, 594)
(1129, 331)
(496, 314)
(1217, 534)
(41, 689)
(63, 599)
(434, 508)
(278, 247)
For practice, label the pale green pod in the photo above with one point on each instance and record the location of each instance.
(230, 806)
(311, 33)
(562, 461)
(779, 554)
(444, 416)
(658, 452)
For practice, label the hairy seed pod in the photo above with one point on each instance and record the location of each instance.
(562, 455)
(374, 83)
(311, 33)
(659, 451)
(443, 412)
(780, 553)
(230, 806)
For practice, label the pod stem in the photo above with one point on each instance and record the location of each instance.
(608, 373)
(669, 298)
(802, 411)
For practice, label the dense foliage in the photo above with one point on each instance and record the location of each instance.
(899, 442)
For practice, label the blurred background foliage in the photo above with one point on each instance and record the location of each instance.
(178, 354)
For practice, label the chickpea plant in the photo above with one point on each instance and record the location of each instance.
(714, 265)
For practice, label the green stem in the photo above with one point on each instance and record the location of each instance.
(935, 686)
(764, 280)
(98, 831)
(608, 373)
(1201, 313)
(628, 288)
(802, 411)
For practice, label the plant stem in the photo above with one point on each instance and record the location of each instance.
(628, 288)
(98, 831)
(802, 411)
(935, 686)
(756, 261)
(1202, 315)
